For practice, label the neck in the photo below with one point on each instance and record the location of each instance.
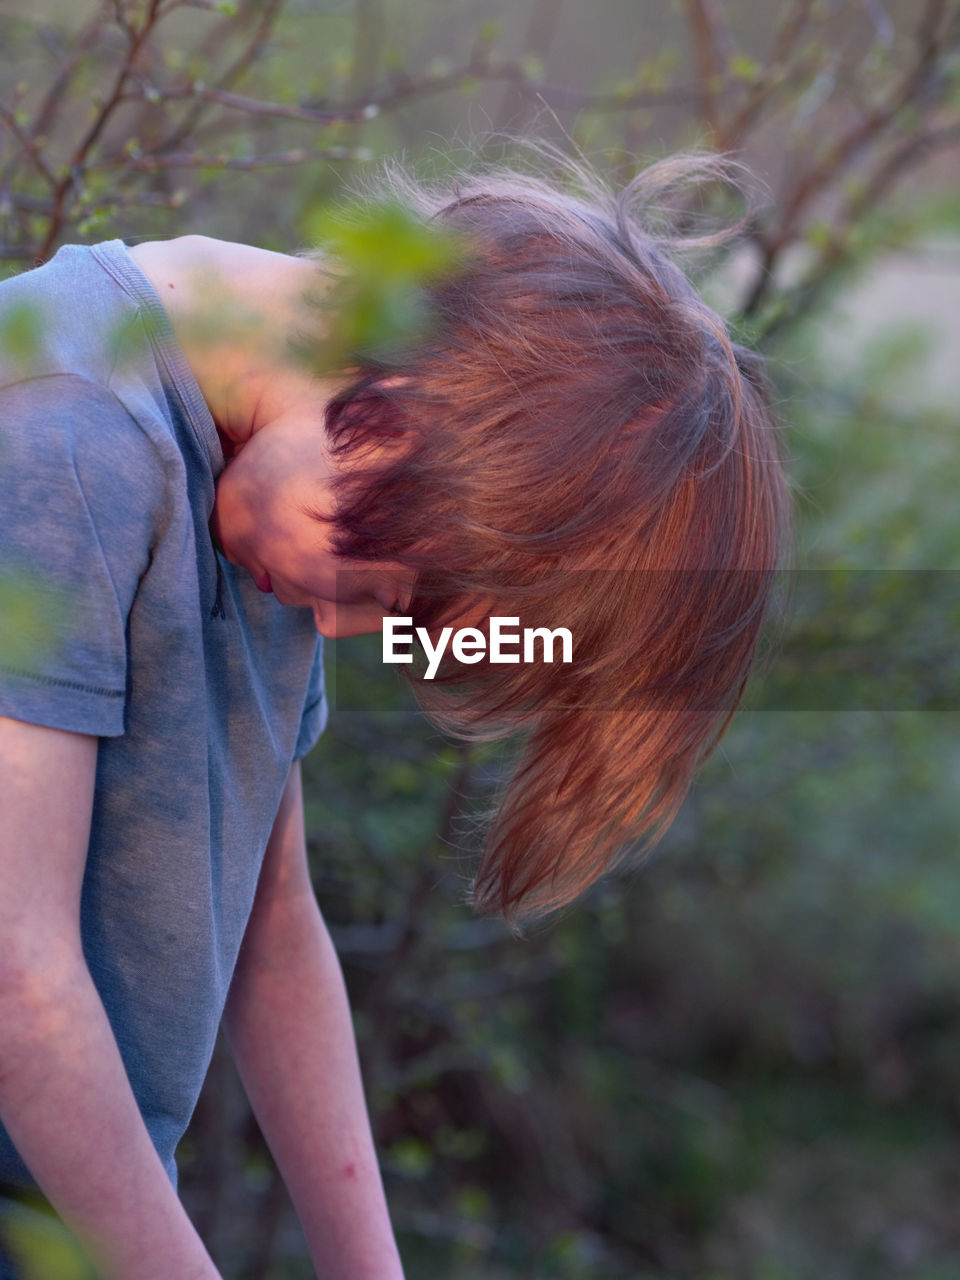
(234, 310)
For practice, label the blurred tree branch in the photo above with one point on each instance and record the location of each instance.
(879, 147)
(713, 48)
(846, 122)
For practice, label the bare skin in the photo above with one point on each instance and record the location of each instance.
(287, 1016)
(58, 1056)
(233, 308)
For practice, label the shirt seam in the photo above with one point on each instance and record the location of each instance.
(102, 691)
(153, 318)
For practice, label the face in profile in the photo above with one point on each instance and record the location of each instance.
(265, 519)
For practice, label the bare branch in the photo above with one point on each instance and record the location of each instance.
(706, 24)
(137, 40)
(920, 82)
(573, 100)
(540, 33)
(120, 18)
(210, 6)
(776, 78)
(367, 41)
(269, 14)
(882, 24)
(80, 46)
(730, 101)
(480, 66)
(258, 107)
(789, 30)
(542, 27)
(28, 144)
(223, 160)
(800, 300)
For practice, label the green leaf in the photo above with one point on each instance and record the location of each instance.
(27, 618)
(474, 1203)
(411, 1158)
(41, 1246)
(21, 333)
(819, 234)
(489, 32)
(385, 257)
(532, 66)
(742, 67)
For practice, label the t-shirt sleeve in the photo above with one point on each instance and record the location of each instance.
(314, 719)
(80, 489)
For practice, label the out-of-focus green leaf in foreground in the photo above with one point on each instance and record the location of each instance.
(21, 337)
(382, 259)
(41, 1247)
(27, 617)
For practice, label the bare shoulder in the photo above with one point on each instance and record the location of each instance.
(168, 264)
(226, 287)
(170, 260)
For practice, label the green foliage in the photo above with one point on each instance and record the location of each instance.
(27, 613)
(876, 639)
(21, 334)
(382, 257)
(27, 616)
(40, 1245)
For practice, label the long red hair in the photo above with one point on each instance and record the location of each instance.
(584, 446)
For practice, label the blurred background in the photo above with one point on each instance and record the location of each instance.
(741, 1059)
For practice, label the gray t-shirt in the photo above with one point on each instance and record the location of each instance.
(201, 689)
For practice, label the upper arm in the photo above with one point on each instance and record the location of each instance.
(46, 799)
(284, 890)
(285, 873)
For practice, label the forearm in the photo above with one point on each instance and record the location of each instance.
(68, 1107)
(289, 1025)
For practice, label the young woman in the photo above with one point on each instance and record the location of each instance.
(573, 441)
